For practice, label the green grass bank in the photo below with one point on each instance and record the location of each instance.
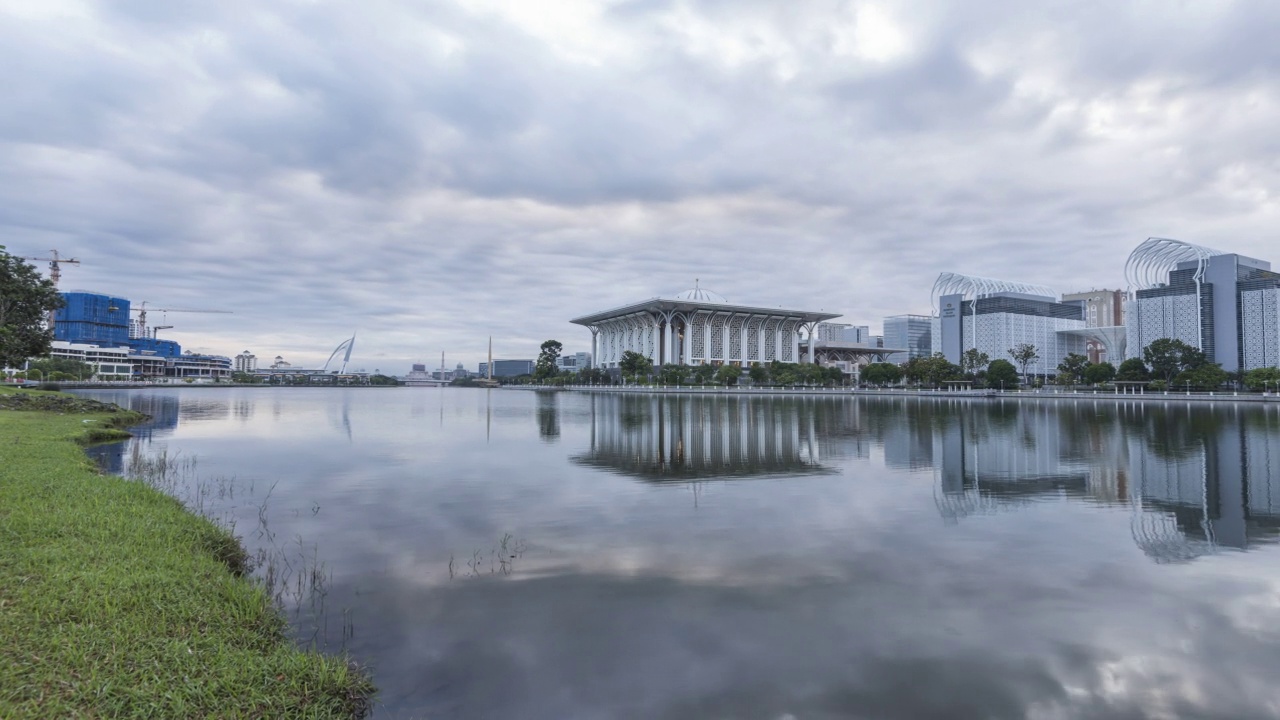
(116, 601)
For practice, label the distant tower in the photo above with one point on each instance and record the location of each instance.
(490, 365)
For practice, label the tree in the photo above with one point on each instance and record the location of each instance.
(1071, 369)
(674, 374)
(1207, 376)
(702, 373)
(881, 373)
(931, 370)
(1002, 374)
(593, 376)
(1099, 373)
(973, 362)
(1024, 354)
(1132, 370)
(1262, 379)
(759, 374)
(26, 299)
(728, 374)
(1168, 357)
(546, 365)
(635, 365)
(63, 368)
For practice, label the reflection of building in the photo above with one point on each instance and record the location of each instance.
(701, 437)
(1225, 304)
(1194, 480)
(698, 327)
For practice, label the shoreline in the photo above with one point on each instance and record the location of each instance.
(117, 600)
(1015, 396)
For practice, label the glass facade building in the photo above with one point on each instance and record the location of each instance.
(914, 332)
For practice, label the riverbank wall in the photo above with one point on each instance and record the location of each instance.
(117, 601)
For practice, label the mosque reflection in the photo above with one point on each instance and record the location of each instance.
(693, 437)
(1195, 478)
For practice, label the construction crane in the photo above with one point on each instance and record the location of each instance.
(142, 316)
(55, 270)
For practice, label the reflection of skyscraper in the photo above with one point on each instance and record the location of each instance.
(1215, 485)
(688, 437)
(1196, 478)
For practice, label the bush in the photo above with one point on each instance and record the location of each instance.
(1158, 385)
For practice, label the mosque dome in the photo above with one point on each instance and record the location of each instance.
(701, 294)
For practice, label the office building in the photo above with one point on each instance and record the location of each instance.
(914, 332)
(575, 362)
(1225, 304)
(996, 316)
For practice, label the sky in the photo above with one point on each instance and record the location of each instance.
(430, 174)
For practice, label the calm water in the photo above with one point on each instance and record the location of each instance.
(510, 554)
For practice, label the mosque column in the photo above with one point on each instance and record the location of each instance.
(724, 339)
(777, 340)
(795, 342)
(687, 344)
(595, 358)
(667, 337)
(706, 339)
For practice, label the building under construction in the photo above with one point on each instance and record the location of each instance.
(96, 328)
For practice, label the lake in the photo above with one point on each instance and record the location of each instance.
(518, 554)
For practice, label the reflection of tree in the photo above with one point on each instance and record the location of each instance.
(548, 415)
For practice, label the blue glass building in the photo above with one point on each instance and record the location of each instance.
(92, 319)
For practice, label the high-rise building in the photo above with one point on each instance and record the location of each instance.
(908, 331)
(92, 318)
(246, 362)
(1225, 304)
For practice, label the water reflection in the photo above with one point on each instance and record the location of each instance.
(689, 437)
(890, 558)
(549, 416)
(1195, 479)
(164, 413)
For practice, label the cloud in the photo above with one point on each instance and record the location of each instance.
(435, 173)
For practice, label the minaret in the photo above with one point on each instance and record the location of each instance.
(489, 367)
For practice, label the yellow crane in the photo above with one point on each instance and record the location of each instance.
(55, 271)
(140, 327)
(55, 262)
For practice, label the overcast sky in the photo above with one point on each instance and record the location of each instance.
(432, 173)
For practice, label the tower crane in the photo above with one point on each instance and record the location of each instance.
(142, 316)
(55, 271)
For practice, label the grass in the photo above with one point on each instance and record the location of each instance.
(116, 601)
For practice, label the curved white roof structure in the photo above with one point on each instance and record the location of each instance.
(1149, 264)
(975, 287)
